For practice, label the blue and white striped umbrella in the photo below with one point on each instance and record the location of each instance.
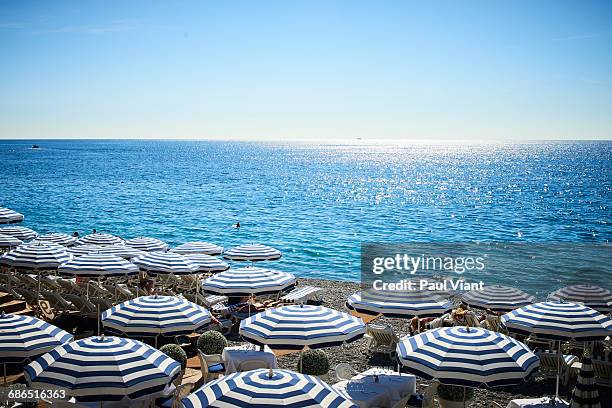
(468, 357)
(264, 388)
(80, 250)
(36, 256)
(592, 296)
(558, 321)
(8, 216)
(19, 232)
(23, 337)
(155, 315)
(8, 241)
(124, 251)
(207, 263)
(497, 298)
(147, 244)
(99, 239)
(402, 304)
(252, 252)
(97, 265)
(165, 263)
(248, 281)
(198, 247)
(58, 238)
(104, 369)
(298, 326)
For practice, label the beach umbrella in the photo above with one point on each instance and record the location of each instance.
(8, 216)
(208, 263)
(252, 252)
(36, 256)
(9, 242)
(99, 239)
(98, 265)
(592, 296)
(558, 321)
(198, 247)
(80, 250)
(248, 281)
(58, 238)
(267, 388)
(124, 251)
(151, 316)
(23, 337)
(467, 356)
(585, 393)
(165, 263)
(147, 244)
(101, 369)
(298, 327)
(19, 232)
(402, 304)
(497, 298)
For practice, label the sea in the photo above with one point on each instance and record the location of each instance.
(319, 202)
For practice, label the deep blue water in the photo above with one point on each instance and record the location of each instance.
(316, 203)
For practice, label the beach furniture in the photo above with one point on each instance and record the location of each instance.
(381, 339)
(212, 366)
(302, 294)
(603, 372)
(344, 371)
(69, 285)
(549, 361)
(81, 303)
(59, 304)
(366, 393)
(28, 295)
(235, 356)
(401, 386)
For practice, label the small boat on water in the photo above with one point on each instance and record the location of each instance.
(35, 146)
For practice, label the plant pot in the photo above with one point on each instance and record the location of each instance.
(453, 404)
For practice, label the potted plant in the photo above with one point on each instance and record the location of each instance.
(176, 352)
(453, 396)
(211, 342)
(313, 362)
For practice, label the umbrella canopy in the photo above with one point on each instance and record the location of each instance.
(99, 239)
(585, 393)
(8, 241)
(252, 252)
(95, 265)
(403, 304)
(299, 326)
(558, 321)
(207, 263)
(147, 244)
(36, 256)
(198, 247)
(165, 263)
(248, 281)
(23, 337)
(124, 251)
(467, 357)
(267, 388)
(104, 369)
(58, 238)
(498, 298)
(154, 315)
(8, 216)
(22, 233)
(592, 296)
(80, 250)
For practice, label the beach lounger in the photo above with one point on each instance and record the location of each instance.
(28, 281)
(50, 282)
(82, 304)
(549, 361)
(603, 372)
(58, 302)
(69, 286)
(28, 295)
(118, 291)
(382, 339)
(302, 294)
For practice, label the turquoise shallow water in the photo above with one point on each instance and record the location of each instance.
(315, 202)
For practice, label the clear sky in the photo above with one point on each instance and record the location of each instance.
(310, 69)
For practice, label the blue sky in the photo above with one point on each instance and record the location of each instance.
(294, 70)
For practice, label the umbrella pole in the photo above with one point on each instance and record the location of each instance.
(558, 374)
(5, 373)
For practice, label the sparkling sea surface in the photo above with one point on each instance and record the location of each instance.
(315, 202)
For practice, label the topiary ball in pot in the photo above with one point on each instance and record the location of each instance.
(212, 342)
(175, 352)
(314, 362)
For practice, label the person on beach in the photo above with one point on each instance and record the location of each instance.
(148, 286)
(75, 234)
(94, 231)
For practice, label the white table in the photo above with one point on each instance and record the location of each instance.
(233, 356)
(543, 402)
(364, 391)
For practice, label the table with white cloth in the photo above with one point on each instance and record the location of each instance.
(543, 402)
(364, 391)
(233, 356)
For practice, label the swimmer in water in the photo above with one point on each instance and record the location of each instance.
(237, 225)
